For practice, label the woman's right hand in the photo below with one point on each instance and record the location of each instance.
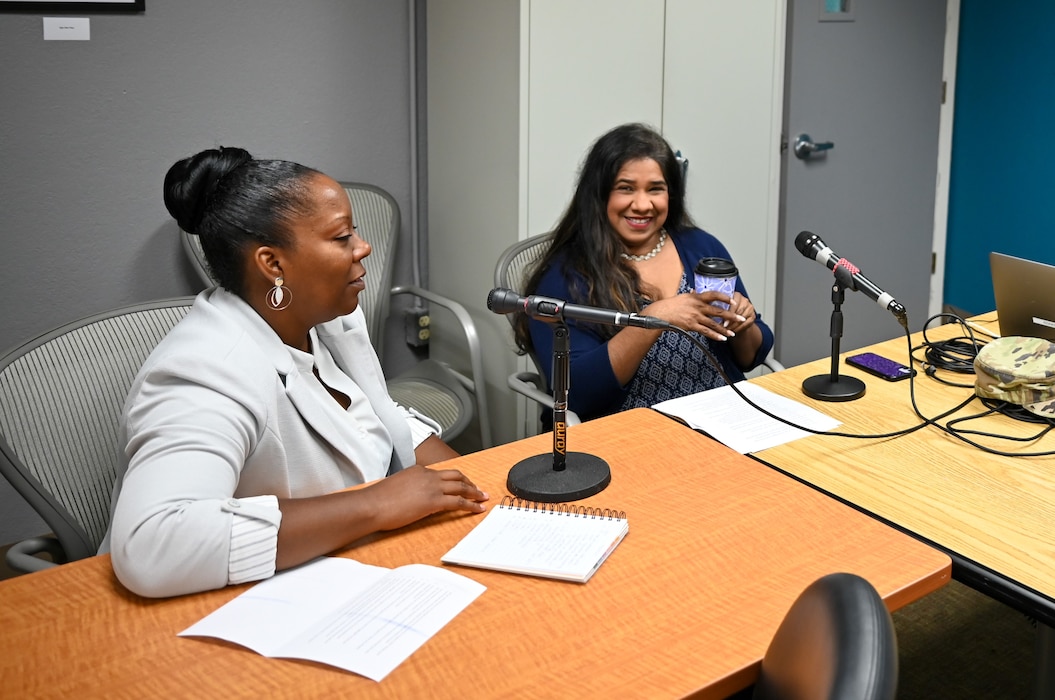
(417, 491)
(322, 524)
(689, 311)
(693, 312)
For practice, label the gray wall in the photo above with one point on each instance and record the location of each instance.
(88, 129)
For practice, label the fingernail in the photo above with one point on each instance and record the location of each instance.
(740, 318)
(731, 334)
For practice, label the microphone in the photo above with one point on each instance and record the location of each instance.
(506, 301)
(811, 245)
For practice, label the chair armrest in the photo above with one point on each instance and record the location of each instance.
(21, 556)
(527, 384)
(771, 363)
(476, 384)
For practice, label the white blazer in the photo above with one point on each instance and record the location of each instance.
(218, 413)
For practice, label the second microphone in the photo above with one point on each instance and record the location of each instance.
(506, 301)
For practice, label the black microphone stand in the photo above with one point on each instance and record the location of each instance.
(562, 476)
(832, 387)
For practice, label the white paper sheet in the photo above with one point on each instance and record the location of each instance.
(730, 420)
(365, 619)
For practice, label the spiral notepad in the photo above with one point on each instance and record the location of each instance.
(553, 540)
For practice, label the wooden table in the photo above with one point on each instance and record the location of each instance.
(995, 515)
(719, 546)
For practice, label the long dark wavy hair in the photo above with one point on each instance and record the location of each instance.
(585, 239)
(232, 201)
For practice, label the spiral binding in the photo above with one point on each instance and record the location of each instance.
(562, 509)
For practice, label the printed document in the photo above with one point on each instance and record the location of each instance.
(725, 416)
(362, 618)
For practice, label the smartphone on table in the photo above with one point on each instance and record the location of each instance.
(880, 366)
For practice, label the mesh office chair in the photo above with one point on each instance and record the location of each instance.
(837, 642)
(511, 272)
(433, 388)
(513, 268)
(61, 396)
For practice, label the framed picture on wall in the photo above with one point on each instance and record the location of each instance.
(44, 6)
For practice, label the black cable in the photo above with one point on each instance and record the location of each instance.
(721, 371)
(954, 355)
(1011, 410)
(957, 355)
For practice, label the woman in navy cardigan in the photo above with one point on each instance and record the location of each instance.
(627, 243)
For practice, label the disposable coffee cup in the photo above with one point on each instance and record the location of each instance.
(716, 275)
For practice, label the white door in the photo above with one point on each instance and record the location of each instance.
(580, 82)
(869, 81)
(518, 92)
(723, 88)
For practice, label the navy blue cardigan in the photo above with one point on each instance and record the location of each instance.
(593, 389)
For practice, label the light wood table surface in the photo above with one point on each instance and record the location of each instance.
(994, 514)
(719, 547)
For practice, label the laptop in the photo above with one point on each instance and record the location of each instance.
(1025, 296)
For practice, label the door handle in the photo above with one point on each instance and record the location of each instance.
(805, 147)
(683, 162)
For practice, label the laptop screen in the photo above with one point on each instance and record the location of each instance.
(1025, 296)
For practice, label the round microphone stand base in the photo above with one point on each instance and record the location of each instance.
(535, 479)
(824, 387)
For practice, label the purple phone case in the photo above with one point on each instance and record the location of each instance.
(880, 366)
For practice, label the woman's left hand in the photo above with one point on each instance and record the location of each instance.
(743, 307)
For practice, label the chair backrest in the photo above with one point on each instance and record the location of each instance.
(514, 266)
(376, 216)
(837, 642)
(61, 396)
(196, 256)
(518, 261)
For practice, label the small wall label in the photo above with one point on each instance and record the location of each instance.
(66, 29)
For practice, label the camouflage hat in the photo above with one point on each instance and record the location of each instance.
(1018, 370)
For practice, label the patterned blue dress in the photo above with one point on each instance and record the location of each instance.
(673, 367)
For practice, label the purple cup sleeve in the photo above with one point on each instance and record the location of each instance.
(725, 285)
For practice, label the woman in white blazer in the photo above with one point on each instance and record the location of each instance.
(251, 416)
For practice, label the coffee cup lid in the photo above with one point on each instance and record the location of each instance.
(716, 267)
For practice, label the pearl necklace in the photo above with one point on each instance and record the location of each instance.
(650, 254)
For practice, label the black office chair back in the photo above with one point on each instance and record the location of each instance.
(837, 642)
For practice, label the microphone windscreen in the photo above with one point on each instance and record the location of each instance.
(503, 301)
(804, 241)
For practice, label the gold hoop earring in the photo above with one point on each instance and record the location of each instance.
(279, 297)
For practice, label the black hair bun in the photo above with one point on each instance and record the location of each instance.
(190, 183)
